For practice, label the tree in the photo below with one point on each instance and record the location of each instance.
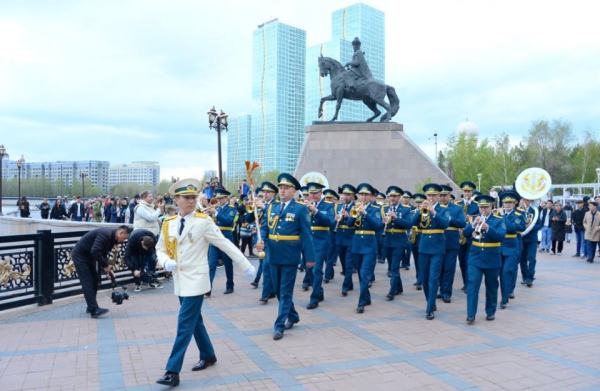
(586, 157)
(548, 146)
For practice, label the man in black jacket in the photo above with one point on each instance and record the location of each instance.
(76, 211)
(93, 248)
(140, 257)
(577, 222)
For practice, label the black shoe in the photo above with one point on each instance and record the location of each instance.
(254, 284)
(529, 284)
(439, 296)
(368, 302)
(381, 261)
(342, 273)
(344, 293)
(277, 335)
(389, 297)
(464, 289)
(511, 295)
(419, 287)
(360, 309)
(371, 283)
(98, 312)
(470, 319)
(228, 291)
(590, 260)
(272, 295)
(169, 379)
(415, 284)
(430, 316)
(289, 325)
(304, 288)
(312, 306)
(406, 267)
(207, 295)
(263, 300)
(301, 269)
(326, 280)
(322, 298)
(389, 274)
(445, 300)
(490, 317)
(502, 306)
(89, 311)
(204, 363)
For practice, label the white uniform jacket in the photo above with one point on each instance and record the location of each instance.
(190, 251)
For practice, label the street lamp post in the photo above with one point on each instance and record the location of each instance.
(479, 183)
(20, 163)
(83, 175)
(219, 123)
(436, 154)
(2, 153)
(597, 173)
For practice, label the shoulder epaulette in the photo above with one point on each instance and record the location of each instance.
(201, 215)
(518, 214)
(300, 202)
(457, 203)
(328, 202)
(170, 217)
(520, 209)
(443, 206)
(498, 216)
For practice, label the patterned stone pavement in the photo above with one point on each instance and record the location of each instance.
(547, 339)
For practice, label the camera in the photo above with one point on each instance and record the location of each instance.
(118, 297)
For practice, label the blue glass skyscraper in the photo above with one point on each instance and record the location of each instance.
(358, 20)
(278, 94)
(238, 148)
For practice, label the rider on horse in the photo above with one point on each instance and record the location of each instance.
(359, 72)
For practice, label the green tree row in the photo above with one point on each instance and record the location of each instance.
(551, 145)
(42, 187)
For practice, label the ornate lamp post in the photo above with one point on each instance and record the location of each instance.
(83, 175)
(2, 153)
(20, 163)
(597, 173)
(219, 123)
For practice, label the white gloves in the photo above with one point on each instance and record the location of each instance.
(251, 271)
(170, 265)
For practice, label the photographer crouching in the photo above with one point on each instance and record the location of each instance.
(92, 248)
(140, 258)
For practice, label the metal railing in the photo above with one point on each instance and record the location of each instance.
(38, 268)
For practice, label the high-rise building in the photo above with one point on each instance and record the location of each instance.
(67, 171)
(278, 95)
(142, 173)
(238, 148)
(358, 20)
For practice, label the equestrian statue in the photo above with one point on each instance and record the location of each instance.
(357, 83)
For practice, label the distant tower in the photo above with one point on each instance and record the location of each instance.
(278, 76)
(467, 127)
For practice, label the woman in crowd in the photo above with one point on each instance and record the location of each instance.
(58, 211)
(24, 207)
(558, 219)
(45, 209)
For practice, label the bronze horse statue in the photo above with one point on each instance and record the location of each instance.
(345, 86)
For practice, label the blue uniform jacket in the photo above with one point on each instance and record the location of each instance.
(472, 209)
(321, 224)
(225, 220)
(457, 222)
(515, 223)
(345, 232)
(364, 241)
(289, 234)
(395, 233)
(532, 236)
(486, 253)
(433, 240)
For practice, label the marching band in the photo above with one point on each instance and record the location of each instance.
(315, 227)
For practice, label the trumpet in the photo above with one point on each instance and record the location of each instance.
(354, 213)
(478, 226)
(425, 208)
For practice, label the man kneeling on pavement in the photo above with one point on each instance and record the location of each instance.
(140, 257)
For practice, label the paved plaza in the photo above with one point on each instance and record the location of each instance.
(547, 339)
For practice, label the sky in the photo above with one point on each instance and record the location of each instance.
(129, 81)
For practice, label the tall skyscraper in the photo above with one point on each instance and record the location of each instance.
(358, 20)
(278, 95)
(238, 148)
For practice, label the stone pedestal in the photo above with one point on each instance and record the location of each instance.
(378, 153)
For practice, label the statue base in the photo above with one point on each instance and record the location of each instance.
(377, 153)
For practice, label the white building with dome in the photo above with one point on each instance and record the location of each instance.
(468, 127)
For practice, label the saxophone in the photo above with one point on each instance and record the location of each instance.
(463, 240)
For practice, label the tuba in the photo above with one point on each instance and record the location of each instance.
(533, 184)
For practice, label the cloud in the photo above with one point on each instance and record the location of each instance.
(133, 80)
